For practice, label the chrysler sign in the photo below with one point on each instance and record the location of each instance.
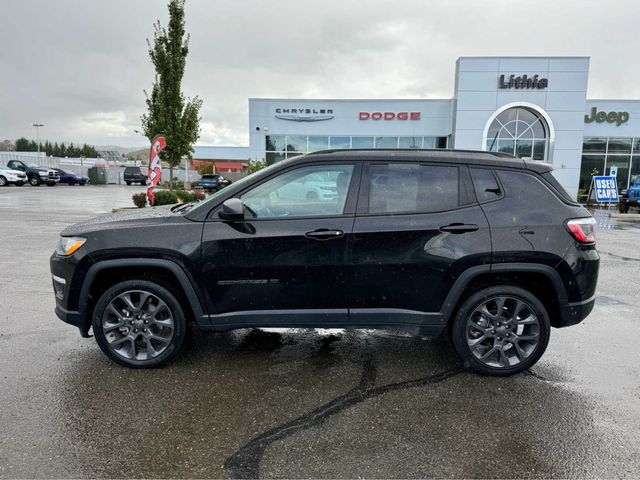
(388, 116)
(304, 114)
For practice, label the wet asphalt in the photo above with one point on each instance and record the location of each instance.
(305, 403)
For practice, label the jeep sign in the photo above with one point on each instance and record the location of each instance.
(610, 117)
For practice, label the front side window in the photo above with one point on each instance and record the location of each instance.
(412, 188)
(307, 191)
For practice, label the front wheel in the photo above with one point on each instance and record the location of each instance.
(128, 183)
(501, 330)
(139, 324)
(34, 181)
(3, 181)
(623, 207)
(19, 184)
(50, 184)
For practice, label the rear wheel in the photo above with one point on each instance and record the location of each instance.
(128, 183)
(50, 184)
(501, 330)
(139, 324)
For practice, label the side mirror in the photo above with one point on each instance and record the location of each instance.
(232, 209)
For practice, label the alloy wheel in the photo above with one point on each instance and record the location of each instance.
(503, 331)
(138, 325)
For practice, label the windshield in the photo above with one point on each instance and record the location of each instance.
(233, 188)
(33, 165)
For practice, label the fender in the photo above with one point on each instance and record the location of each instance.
(455, 294)
(194, 300)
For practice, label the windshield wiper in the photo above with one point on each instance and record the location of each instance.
(182, 207)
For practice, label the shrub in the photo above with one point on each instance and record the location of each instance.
(205, 168)
(199, 195)
(165, 197)
(185, 197)
(139, 199)
(255, 166)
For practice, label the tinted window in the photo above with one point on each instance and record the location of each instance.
(306, 191)
(485, 183)
(406, 188)
(524, 187)
(548, 176)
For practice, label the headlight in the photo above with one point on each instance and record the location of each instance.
(68, 245)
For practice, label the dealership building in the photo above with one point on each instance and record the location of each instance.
(533, 107)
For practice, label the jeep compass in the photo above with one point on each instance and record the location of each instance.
(484, 246)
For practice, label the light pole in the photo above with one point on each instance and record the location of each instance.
(38, 125)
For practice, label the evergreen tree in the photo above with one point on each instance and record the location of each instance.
(169, 112)
(22, 145)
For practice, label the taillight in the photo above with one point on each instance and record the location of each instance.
(583, 229)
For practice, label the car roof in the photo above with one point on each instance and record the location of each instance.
(466, 157)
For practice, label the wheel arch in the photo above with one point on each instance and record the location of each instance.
(541, 280)
(167, 273)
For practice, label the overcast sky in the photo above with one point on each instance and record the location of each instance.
(80, 66)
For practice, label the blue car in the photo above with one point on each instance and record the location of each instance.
(71, 178)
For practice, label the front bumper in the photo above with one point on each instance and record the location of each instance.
(66, 278)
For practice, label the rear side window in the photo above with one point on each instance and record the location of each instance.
(549, 178)
(528, 189)
(486, 185)
(411, 188)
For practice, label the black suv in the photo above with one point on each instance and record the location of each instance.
(484, 245)
(134, 175)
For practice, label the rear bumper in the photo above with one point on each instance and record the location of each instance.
(574, 313)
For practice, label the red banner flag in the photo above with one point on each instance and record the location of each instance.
(155, 169)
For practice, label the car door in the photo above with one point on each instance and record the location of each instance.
(418, 227)
(287, 261)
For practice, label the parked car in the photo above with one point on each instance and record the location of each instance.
(631, 196)
(134, 175)
(71, 178)
(212, 182)
(9, 176)
(35, 173)
(431, 241)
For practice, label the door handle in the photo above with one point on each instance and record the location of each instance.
(324, 234)
(459, 228)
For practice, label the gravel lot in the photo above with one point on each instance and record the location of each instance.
(301, 403)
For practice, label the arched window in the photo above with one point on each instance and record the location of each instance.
(521, 132)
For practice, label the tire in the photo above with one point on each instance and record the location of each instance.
(34, 181)
(19, 184)
(128, 183)
(3, 181)
(123, 328)
(475, 334)
(51, 184)
(623, 208)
